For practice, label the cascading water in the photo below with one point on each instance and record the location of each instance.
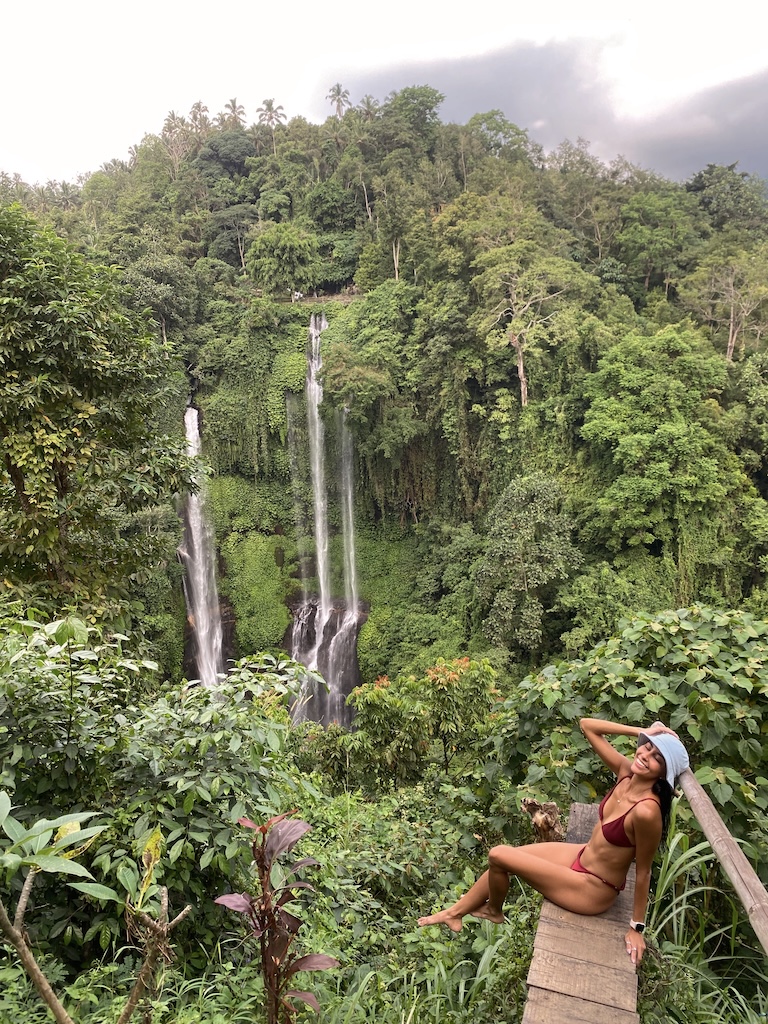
(314, 391)
(324, 632)
(342, 652)
(197, 556)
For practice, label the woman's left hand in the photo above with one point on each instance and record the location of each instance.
(659, 727)
(635, 944)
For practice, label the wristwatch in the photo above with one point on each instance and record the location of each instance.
(638, 926)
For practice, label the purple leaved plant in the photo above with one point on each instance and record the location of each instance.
(270, 923)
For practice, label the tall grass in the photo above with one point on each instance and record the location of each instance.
(703, 966)
(432, 995)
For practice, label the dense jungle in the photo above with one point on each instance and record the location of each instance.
(554, 373)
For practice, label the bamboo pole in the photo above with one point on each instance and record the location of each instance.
(748, 886)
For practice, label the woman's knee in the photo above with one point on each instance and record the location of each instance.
(498, 856)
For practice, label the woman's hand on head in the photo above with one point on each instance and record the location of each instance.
(659, 727)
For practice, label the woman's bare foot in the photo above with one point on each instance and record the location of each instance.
(443, 917)
(486, 913)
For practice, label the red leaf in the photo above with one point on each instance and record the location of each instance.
(307, 997)
(247, 823)
(237, 901)
(284, 837)
(306, 862)
(289, 895)
(279, 817)
(278, 946)
(312, 962)
(291, 923)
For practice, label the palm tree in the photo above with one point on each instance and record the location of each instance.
(114, 167)
(339, 97)
(368, 107)
(271, 116)
(174, 123)
(177, 139)
(236, 112)
(67, 196)
(198, 118)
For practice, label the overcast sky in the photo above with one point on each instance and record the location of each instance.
(671, 89)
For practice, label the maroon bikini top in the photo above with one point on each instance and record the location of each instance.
(613, 831)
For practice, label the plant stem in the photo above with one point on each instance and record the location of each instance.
(21, 906)
(39, 980)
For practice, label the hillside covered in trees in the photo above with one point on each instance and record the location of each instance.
(555, 375)
(552, 368)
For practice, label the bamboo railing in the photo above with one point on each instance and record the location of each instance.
(742, 876)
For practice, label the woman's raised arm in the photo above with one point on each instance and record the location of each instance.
(596, 729)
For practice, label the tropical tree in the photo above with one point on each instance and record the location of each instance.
(339, 97)
(199, 121)
(236, 112)
(731, 198)
(729, 292)
(660, 234)
(665, 480)
(368, 107)
(529, 550)
(177, 140)
(283, 259)
(271, 116)
(530, 289)
(80, 382)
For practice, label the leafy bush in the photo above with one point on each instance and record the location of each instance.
(183, 764)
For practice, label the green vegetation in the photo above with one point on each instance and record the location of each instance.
(555, 374)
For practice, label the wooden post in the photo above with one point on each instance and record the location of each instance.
(744, 879)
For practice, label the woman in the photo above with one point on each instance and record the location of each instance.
(587, 879)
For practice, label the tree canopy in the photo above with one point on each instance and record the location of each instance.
(81, 381)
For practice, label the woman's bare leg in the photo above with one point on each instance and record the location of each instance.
(545, 866)
(471, 901)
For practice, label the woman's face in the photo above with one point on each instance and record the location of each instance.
(649, 762)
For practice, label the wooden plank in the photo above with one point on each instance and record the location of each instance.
(594, 946)
(582, 819)
(580, 973)
(555, 1008)
(608, 986)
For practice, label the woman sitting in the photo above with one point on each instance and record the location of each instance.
(634, 817)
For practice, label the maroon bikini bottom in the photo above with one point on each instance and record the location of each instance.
(577, 866)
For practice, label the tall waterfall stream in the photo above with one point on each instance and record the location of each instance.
(324, 636)
(198, 555)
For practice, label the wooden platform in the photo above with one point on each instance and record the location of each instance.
(580, 972)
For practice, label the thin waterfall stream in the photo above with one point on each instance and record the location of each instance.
(197, 554)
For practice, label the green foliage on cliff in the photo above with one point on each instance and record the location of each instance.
(257, 587)
(513, 315)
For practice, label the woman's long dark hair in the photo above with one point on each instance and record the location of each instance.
(664, 792)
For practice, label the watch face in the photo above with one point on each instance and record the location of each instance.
(640, 928)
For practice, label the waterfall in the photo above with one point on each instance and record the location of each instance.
(314, 392)
(197, 556)
(324, 632)
(342, 653)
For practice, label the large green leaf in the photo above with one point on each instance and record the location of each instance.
(101, 892)
(58, 864)
(5, 806)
